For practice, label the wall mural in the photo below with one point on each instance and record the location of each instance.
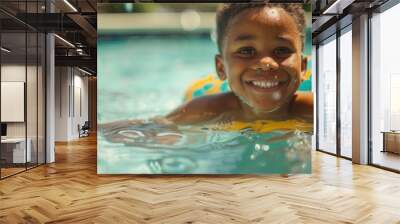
(204, 88)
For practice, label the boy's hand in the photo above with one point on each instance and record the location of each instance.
(158, 130)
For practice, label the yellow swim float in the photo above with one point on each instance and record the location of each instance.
(207, 85)
(261, 126)
(211, 84)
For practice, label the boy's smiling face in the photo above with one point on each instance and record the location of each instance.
(261, 57)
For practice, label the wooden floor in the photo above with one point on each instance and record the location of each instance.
(10, 171)
(5, 172)
(70, 191)
(387, 159)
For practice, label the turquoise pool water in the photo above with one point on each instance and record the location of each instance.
(142, 77)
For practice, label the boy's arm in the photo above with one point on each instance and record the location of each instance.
(303, 105)
(200, 110)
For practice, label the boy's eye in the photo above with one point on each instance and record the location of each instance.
(246, 51)
(283, 51)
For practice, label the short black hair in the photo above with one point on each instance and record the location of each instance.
(226, 12)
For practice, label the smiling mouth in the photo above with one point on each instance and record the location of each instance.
(265, 85)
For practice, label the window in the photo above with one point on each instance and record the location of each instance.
(385, 88)
(22, 69)
(327, 95)
(346, 92)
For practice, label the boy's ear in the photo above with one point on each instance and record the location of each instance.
(219, 66)
(304, 61)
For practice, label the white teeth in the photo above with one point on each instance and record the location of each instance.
(265, 84)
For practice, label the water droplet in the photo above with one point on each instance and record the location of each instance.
(131, 133)
(276, 95)
(265, 147)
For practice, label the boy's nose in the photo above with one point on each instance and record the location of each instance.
(266, 64)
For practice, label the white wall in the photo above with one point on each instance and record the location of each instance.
(12, 73)
(70, 84)
(81, 83)
(62, 81)
(12, 101)
(33, 127)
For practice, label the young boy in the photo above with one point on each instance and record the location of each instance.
(260, 54)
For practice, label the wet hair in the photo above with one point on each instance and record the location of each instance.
(226, 12)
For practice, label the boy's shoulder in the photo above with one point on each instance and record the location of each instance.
(204, 108)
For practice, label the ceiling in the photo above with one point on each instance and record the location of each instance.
(76, 22)
(327, 13)
(72, 20)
